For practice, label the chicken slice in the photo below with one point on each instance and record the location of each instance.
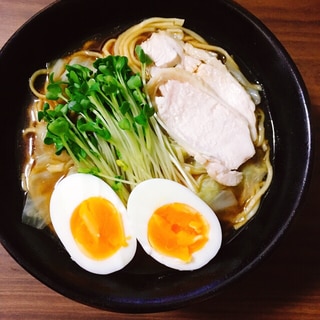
(203, 107)
(215, 135)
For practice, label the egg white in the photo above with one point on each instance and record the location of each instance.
(67, 195)
(151, 194)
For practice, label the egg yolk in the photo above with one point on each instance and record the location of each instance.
(177, 230)
(96, 226)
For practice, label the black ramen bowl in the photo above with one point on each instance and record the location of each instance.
(142, 286)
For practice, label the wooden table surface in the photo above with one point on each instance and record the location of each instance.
(286, 285)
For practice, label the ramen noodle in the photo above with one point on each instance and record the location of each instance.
(234, 205)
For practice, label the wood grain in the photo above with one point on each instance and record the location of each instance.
(287, 285)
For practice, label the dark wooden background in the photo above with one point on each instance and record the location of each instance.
(287, 285)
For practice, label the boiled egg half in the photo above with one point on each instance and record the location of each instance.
(173, 225)
(92, 223)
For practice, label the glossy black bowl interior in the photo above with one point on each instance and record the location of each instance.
(143, 286)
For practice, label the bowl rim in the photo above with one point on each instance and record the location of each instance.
(132, 305)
